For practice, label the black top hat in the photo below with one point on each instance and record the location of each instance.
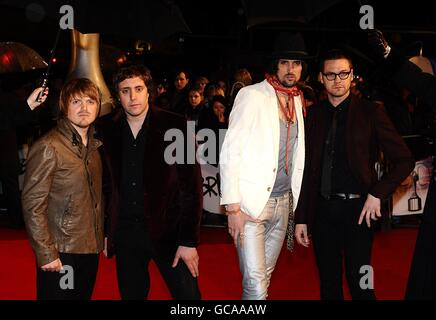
(290, 46)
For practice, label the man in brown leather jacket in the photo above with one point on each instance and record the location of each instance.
(62, 198)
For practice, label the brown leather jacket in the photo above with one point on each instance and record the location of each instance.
(62, 199)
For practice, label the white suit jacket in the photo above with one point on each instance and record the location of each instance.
(249, 154)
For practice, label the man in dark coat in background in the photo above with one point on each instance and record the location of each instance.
(14, 112)
(422, 276)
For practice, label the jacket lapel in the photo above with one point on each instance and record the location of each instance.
(273, 113)
(352, 129)
(114, 144)
(151, 138)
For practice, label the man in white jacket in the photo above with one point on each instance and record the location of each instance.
(262, 163)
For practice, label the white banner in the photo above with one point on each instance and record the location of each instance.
(211, 187)
(405, 201)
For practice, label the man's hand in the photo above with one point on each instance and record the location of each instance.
(54, 266)
(33, 101)
(371, 210)
(378, 44)
(301, 235)
(190, 257)
(236, 224)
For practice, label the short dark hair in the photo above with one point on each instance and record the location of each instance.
(134, 70)
(184, 71)
(220, 99)
(77, 86)
(197, 88)
(334, 54)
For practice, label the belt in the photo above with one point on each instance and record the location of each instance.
(344, 196)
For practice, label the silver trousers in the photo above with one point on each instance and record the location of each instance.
(262, 245)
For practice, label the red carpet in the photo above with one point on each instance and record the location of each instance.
(294, 278)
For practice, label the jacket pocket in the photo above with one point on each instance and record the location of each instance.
(67, 212)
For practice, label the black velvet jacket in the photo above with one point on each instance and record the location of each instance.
(173, 194)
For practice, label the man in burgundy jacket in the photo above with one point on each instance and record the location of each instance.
(153, 207)
(341, 192)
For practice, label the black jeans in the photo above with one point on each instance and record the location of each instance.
(337, 235)
(76, 283)
(134, 250)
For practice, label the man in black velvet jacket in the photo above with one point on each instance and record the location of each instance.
(422, 276)
(153, 208)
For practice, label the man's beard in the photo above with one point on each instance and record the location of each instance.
(288, 84)
(82, 124)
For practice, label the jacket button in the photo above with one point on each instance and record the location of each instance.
(274, 170)
(269, 189)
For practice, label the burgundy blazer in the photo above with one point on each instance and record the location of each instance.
(369, 130)
(173, 194)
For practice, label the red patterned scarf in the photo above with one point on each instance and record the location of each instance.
(289, 110)
(291, 92)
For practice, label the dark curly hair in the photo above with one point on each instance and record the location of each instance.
(132, 71)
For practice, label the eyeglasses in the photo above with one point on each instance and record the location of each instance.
(332, 76)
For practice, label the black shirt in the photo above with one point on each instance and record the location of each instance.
(342, 179)
(132, 172)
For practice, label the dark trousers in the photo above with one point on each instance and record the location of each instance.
(337, 237)
(76, 283)
(134, 250)
(422, 276)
